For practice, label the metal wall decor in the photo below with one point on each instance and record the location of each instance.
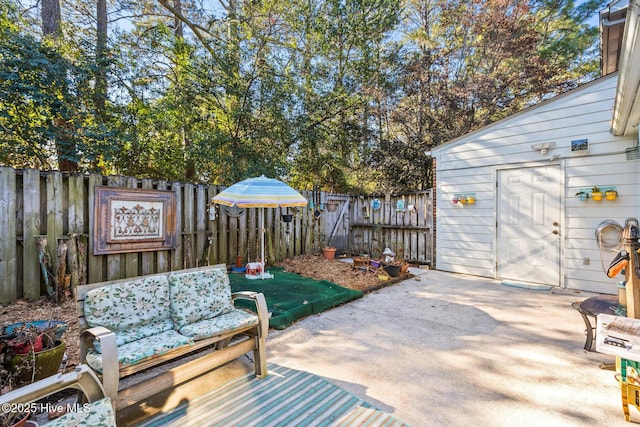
(133, 220)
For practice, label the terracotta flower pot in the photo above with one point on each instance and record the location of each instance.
(404, 267)
(328, 252)
(14, 419)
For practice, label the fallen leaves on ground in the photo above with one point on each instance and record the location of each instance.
(336, 271)
(314, 266)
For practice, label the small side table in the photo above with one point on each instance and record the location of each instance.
(590, 308)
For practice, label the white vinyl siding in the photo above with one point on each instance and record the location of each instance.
(466, 234)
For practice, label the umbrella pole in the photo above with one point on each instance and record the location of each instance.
(262, 235)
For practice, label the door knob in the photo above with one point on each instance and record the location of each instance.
(555, 231)
(555, 223)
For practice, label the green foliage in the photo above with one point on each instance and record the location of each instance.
(467, 64)
(45, 104)
(346, 95)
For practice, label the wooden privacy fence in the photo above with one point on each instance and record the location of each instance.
(47, 225)
(367, 224)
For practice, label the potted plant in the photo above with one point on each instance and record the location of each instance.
(596, 194)
(392, 268)
(582, 195)
(329, 251)
(611, 194)
(404, 267)
(30, 351)
(14, 418)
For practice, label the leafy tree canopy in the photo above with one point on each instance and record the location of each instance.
(345, 95)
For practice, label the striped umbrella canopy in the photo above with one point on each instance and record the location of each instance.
(260, 192)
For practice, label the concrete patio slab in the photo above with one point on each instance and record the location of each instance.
(458, 350)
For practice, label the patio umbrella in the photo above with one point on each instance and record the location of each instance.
(260, 192)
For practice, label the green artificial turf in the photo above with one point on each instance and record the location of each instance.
(291, 296)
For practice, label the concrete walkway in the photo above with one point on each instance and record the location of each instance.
(455, 350)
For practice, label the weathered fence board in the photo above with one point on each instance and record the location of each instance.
(177, 255)
(30, 227)
(162, 257)
(8, 263)
(131, 259)
(61, 207)
(379, 221)
(95, 263)
(147, 264)
(54, 213)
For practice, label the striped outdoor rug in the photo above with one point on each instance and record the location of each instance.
(286, 397)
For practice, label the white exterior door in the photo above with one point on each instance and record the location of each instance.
(528, 224)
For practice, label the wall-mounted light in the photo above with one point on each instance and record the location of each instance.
(543, 147)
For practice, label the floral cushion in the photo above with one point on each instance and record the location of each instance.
(96, 414)
(134, 352)
(141, 306)
(134, 334)
(235, 319)
(199, 295)
(94, 360)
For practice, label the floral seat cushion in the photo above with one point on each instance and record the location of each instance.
(136, 351)
(96, 414)
(199, 295)
(132, 310)
(228, 322)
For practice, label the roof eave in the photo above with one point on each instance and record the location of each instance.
(626, 110)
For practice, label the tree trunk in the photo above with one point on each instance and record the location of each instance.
(51, 18)
(177, 23)
(100, 93)
(65, 148)
(189, 164)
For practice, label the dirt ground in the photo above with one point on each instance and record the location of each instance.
(315, 266)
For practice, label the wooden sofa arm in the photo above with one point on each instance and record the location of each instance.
(261, 308)
(109, 350)
(81, 378)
